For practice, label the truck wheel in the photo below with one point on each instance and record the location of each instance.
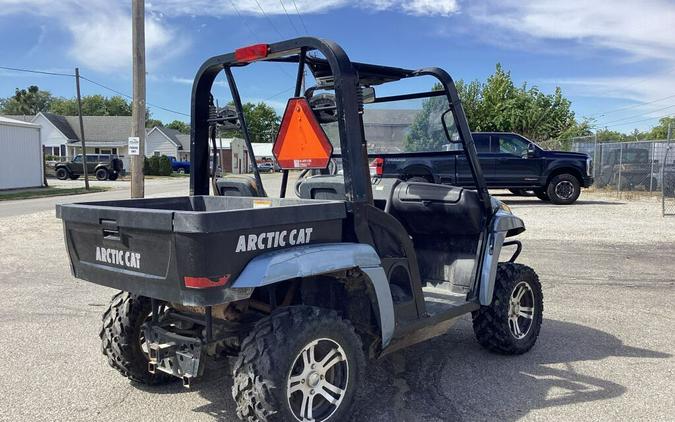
(541, 194)
(563, 189)
(511, 324)
(122, 340)
(300, 363)
(101, 174)
(61, 173)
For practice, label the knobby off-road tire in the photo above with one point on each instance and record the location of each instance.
(277, 357)
(563, 189)
(121, 337)
(101, 174)
(493, 325)
(61, 173)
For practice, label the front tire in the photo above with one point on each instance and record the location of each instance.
(563, 189)
(511, 323)
(122, 337)
(300, 363)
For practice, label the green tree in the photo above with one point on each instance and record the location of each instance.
(164, 168)
(92, 105)
(262, 121)
(180, 126)
(150, 123)
(26, 101)
(499, 105)
(661, 130)
(426, 132)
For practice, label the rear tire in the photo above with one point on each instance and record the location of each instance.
(563, 189)
(281, 367)
(121, 337)
(61, 173)
(495, 325)
(101, 174)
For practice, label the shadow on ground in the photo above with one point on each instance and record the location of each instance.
(453, 378)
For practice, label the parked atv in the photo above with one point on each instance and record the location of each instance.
(303, 292)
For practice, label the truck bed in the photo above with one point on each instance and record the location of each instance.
(188, 249)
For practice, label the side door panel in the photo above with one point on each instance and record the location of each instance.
(513, 167)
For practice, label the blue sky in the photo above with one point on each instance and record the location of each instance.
(614, 59)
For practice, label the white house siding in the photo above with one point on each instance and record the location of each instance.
(156, 141)
(21, 158)
(50, 136)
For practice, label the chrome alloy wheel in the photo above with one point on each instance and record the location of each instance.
(521, 310)
(317, 381)
(564, 189)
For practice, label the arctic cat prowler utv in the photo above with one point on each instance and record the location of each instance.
(303, 290)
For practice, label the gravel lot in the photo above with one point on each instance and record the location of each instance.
(605, 351)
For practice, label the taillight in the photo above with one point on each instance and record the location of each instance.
(251, 53)
(376, 167)
(205, 282)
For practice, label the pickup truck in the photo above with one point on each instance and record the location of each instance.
(179, 166)
(509, 161)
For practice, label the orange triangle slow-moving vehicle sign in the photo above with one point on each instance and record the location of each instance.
(301, 142)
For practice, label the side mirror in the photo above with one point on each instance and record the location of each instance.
(368, 93)
(324, 108)
(531, 151)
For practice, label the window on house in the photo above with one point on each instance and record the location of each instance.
(156, 153)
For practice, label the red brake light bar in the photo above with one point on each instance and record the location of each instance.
(251, 53)
(376, 167)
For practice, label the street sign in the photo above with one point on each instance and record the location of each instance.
(134, 145)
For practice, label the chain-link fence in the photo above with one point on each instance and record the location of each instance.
(668, 180)
(630, 168)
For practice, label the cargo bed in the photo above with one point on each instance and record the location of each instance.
(188, 249)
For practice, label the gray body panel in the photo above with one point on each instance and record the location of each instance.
(504, 224)
(310, 260)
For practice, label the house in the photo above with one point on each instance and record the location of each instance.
(56, 134)
(103, 135)
(170, 142)
(21, 160)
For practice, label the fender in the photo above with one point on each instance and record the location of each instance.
(325, 258)
(504, 224)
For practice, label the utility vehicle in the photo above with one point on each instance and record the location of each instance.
(103, 166)
(509, 161)
(302, 290)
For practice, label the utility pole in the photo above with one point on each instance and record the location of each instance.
(138, 104)
(79, 113)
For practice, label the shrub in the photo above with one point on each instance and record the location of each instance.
(146, 166)
(164, 166)
(154, 165)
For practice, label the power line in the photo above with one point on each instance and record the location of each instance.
(632, 106)
(302, 21)
(642, 120)
(16, 69)
(637, 115)
(289, 17)
(130, 97)
(279, 93)
(269, 20)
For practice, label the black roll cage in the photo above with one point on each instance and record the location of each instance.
(347, 78)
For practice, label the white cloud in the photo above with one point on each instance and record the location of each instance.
(275, 7)
(100, 31)
(635, 32)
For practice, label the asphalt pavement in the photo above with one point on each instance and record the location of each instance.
(605, 352)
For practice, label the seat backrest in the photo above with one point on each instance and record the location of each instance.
(323, 187)
(431, 209)
(237, 186)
